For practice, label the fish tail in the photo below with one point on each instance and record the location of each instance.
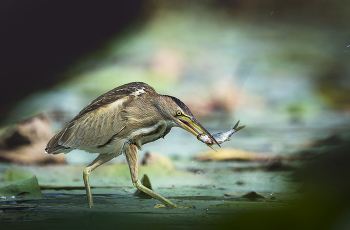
(236, 128)
(239, 128)
(236, 124)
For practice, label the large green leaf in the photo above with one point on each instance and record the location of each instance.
(27, 189)
(17, 173)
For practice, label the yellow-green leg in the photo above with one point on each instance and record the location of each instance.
(131, 157)
(86, 174)
(101, 159)
(166, 202)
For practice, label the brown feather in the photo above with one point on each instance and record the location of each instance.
(114, 95)
(99, 121)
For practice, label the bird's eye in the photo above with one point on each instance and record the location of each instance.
(178, 113)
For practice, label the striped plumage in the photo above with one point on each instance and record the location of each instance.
(121, 121)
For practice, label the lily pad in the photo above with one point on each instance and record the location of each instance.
(27, 189)
(17, 173)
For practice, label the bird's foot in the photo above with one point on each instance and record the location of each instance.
(172, 206)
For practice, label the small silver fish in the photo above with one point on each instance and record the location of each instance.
(219, 137)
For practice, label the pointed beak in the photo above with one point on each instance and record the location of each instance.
(191, 124)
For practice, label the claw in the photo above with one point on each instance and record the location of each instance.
(176, 206)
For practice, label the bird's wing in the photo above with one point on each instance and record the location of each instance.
(100, 120)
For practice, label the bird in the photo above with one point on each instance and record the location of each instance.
(120, 122)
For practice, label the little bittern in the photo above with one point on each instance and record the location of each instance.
(120, 122)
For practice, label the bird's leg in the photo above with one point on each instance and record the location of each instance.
(101, 159)
(86, 174)
(131, 157)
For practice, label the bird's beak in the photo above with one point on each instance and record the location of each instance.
(190, 123)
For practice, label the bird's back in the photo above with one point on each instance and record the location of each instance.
(99, 121)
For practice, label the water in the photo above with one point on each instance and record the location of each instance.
(67, 207)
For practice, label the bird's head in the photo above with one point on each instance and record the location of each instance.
(180, 115)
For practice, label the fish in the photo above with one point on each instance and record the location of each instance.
(219, 137)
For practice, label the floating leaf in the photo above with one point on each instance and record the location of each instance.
(16, 174)
(27, 189)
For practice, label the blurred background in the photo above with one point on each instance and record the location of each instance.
(280, 67)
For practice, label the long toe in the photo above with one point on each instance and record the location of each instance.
(175, 206)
